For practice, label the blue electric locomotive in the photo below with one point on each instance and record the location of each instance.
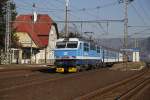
(74, 54)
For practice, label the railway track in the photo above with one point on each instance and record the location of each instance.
(35, 78)
(12, 78)
(26, 80)
(123, 90)
(55, 85)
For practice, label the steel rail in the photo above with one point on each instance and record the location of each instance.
(108, 92)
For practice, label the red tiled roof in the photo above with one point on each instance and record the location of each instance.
(38, 31)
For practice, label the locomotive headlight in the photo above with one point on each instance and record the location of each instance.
(72, 69)
(60, 70)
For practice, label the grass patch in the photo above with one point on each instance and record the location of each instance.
(129, 65)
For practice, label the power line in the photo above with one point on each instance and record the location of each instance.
(74, 15)
(139, 32)
(41, 10)
(131, 26)
(77, 21)
(48, 4)
(147, 29)
(139, 15)
(97, 7)
(144, 11)
(87, 10)
(100, 25)
(91, 21)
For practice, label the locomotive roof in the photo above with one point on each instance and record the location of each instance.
(75, 39)
(68, 39)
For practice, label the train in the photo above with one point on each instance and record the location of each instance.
(75, 54)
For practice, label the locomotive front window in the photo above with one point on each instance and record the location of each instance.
(60, 44)
(72, 44)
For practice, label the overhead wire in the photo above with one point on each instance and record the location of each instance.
(26, 7)
(70, 11)
(144, 11)
(97, 7)
(140, 32)
(142, 19)
(87, 10)
(139, 14)
(100, 25)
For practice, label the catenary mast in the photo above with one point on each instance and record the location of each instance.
(8, 34)
(66, 18)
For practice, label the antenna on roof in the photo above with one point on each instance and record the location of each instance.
(34, 13)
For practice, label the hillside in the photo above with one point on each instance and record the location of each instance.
(117, 43)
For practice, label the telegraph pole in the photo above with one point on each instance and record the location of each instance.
(8, 34)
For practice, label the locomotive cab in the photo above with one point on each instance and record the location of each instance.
(65, 55)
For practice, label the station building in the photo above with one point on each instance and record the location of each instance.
(37, 35)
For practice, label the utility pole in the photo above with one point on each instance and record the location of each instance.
(126, 24)
(66, 18)
(8, 34)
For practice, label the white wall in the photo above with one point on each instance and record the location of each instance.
(51, 43)
(49, 51)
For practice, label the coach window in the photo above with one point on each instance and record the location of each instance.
(86, 47)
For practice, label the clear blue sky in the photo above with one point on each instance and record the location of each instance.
(139, 14)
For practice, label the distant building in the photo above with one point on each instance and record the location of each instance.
(136, 55)
(36, 38)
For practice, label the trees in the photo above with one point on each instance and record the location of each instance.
(3, 7)
(2, 24)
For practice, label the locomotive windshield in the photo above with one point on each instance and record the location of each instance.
(60, 44)
(70, 44)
